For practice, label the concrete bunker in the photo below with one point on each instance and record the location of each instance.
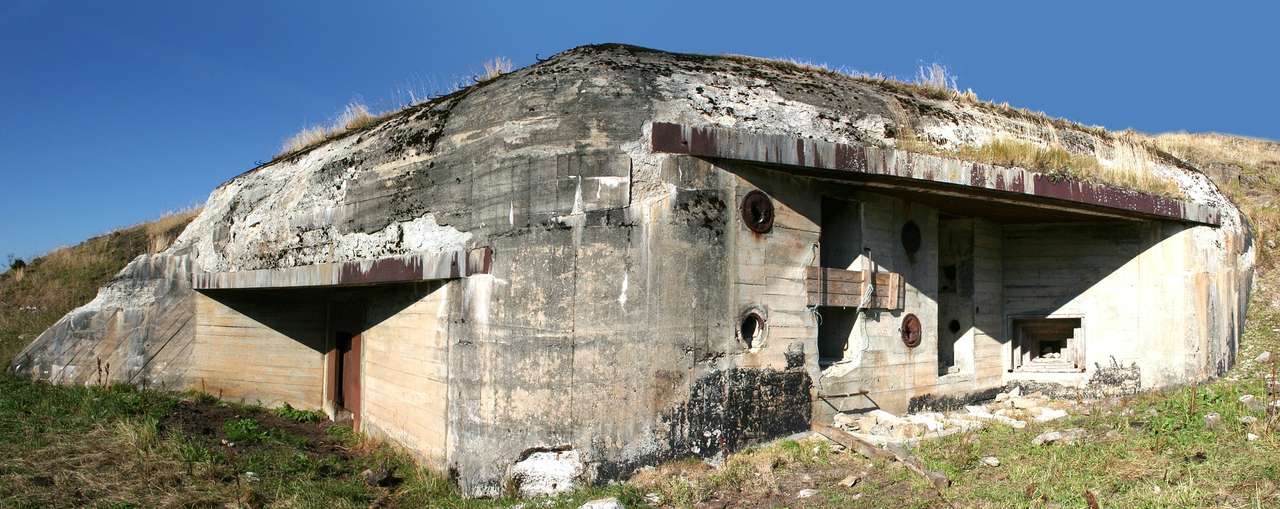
(620, 256)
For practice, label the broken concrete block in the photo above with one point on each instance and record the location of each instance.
(850, 481)
(1024, 403)
(1070, 436)
(1252, 403)
(547, 473)
(1050, 414)
(883, 417)
(844, 420)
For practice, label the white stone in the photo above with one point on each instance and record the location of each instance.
(1050, 414)
(1263, 357)
(1248, 419)
(883, 417)
(850, 480)
(547, 472)
(978, 411)
(1250, 437)
(991, 461)
(602, 503)
(844, 420)
(806, 493)
(1212, 420)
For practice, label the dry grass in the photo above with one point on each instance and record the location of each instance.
(1246, 169)
(1053, 161)
(51, 285)
(494, 68)
(354, 117)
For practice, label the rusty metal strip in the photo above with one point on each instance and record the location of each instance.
(401, 269)
(895, 165)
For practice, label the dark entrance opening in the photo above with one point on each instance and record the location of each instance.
(841, 248)
(347, 374)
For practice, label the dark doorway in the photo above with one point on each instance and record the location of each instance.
(841, 248)
(348, 375)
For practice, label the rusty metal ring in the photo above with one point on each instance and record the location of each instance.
(757, 211)
(910, 330)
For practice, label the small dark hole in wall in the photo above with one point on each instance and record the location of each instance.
(757, 211)
(954, 326)
(751, 329)
(911, 238)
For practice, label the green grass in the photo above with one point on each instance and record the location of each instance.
(119, 446)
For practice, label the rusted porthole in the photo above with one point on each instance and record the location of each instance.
(757, 212)
(911, 331)
(911, 238)
(751, 329)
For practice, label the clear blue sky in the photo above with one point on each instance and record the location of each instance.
(116, 112)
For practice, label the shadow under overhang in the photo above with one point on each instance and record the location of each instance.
(954, 186)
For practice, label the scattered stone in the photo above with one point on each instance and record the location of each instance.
(978, 411)
(1023, 403)
(844, 420)
(1015, 391)
(653, 498)
(806, 493)
(1212, 420)
(1263, 358)
(251, 477)
(1050, 414)
(1002, 397)
(1248, 419)
(1152, 412)
(991, 461)
(1047, 437)
(850, 481)
(375, 476)
(1250, 437)
(1252, 403)
(1069, 437)
(716, 461)
(602, 503)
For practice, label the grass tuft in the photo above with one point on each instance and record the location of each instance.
(1053, 161)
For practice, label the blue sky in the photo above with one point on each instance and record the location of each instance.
(117, 112)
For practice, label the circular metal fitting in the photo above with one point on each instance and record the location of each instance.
(757, 211)
(910, 330)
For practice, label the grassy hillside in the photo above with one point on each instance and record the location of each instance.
(34, 297)
(123, 447)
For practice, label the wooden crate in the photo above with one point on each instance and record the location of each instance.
(844, 288)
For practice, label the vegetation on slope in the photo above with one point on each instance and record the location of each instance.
(36, 295)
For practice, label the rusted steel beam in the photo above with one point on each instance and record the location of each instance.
(923, 171)
(401, 269)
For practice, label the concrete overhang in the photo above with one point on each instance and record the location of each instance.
(946, 181)
(412, 268)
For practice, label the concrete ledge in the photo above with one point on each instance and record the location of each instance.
(401, 269)
(923, 170)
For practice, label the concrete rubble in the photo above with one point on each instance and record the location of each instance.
(1009, 408)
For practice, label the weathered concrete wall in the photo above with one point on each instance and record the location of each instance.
(260, 347)
(404, 365)
(1135, 285)
(138, 329)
